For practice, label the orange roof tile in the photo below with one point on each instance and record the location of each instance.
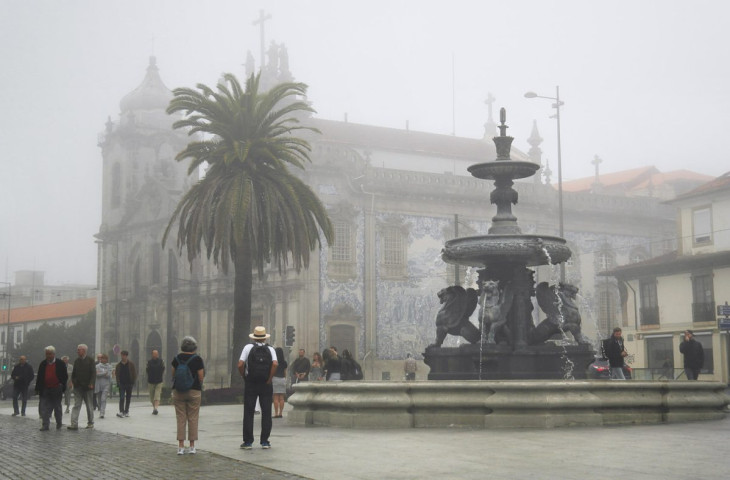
(626, 177)
(717, 184)
(50, 311)
(675, 175)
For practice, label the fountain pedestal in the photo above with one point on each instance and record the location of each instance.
(501, 362)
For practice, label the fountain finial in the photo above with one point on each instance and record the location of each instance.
(503, 118)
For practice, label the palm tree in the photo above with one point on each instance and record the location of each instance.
(248, 208)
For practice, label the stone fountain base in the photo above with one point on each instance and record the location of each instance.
(504, 404)
(500, 362)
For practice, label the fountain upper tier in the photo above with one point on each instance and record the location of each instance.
(511, 169)
(484, 250)
(505, 244)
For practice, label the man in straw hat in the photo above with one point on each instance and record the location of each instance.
(257, 366)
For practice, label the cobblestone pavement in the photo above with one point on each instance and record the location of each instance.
(63, 454)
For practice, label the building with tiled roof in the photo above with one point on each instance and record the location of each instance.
(643, 181)
(665, 295)
(17, 322)
(394, 195)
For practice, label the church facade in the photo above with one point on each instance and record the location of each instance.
(394, 196)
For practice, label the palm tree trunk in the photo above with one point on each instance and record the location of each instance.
(242, 287)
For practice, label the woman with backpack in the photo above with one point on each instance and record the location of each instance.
(279, 383)
(187, 385)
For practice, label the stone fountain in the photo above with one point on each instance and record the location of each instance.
(511, 373)
(507, 344)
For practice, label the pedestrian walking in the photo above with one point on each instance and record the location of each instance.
(257, 366)
(50, 385)
(409, 368)
(22, 375)
(300, 368)
(126, 375)
(68, 391)
(155, 373)
(188, 371)
(615, 352)
(316, 372)
(694, 355)
(103, 383)
(96, 390)
(278, 383)
(82, 379)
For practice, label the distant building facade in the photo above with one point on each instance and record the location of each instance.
(668, 294)
(394, 196)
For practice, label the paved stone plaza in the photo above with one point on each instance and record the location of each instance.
(144, 446)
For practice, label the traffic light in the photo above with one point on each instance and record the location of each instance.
(5, 364)
(289, 336)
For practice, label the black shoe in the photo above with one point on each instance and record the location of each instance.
(73, 427)
(43, 429)
(154, 412)
(58, 426)
(15, 414)
(22, 414)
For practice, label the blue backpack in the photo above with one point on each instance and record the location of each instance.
(183, 380)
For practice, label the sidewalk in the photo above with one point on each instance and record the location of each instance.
(674, 451)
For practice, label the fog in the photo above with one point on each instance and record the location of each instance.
(644, 83)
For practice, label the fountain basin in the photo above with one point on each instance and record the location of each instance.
(502, 362)
(503, 168)
(483, 250)
(505, 404)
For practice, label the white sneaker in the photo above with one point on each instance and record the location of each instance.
(181, 451)
(191, 450)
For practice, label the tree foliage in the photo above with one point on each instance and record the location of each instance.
(248, 208)
(64, 337)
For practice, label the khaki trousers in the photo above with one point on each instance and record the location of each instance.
(187, 408)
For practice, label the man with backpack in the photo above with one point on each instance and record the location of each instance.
(257, 366)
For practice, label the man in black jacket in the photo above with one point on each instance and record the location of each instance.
(694, 355)
(22, 375)
(615, 352)
(155, 372)
(50, 385)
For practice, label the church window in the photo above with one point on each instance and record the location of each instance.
(393, 251)
(703, 298)
(607, 310)
(649, 312)
(342, 247)
(605, 260)
(702, 226)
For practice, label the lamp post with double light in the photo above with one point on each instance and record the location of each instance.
(556, 106)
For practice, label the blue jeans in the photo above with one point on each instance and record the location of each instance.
(617, 373)
(692, 373)
(125, 396)
(265, 394)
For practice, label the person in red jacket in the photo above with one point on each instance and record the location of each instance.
(50, 385)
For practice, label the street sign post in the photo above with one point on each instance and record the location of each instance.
(723, 323)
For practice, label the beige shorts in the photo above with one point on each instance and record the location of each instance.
(155, 391)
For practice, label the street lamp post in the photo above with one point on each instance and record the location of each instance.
(7, 331)
(557, 106)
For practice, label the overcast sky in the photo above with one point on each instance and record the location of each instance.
(644, 83)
